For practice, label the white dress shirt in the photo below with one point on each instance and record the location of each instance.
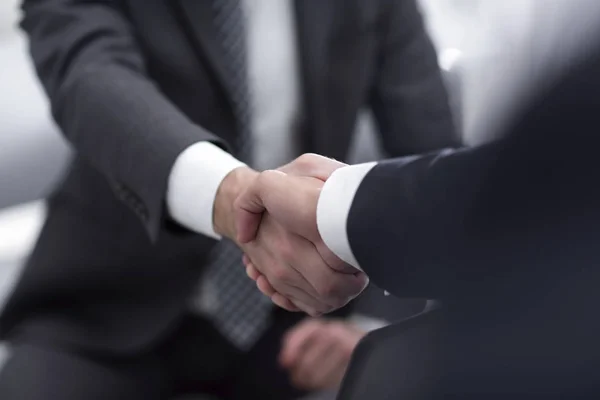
(274, 89)
(274, 85)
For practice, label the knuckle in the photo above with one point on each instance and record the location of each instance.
(286, 249)
(280, 275)
(328, 289)
(306, 157)
(268, 175)
(306, 160)
(312, 157)
(264, 178)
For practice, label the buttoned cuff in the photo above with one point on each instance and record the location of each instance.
(193, 184)
(334, 206)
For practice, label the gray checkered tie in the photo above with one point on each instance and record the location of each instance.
(238, 309)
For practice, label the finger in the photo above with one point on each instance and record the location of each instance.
(300, 306)
(307, 262)
(302, 303)
(249, 206)
(309, 366)
(297, 328)
(284, 303)
(345, 337)
(246, 260)
(309, 273)
(297, 212)
(252, 272)
(291, 200)
(297, 341)
(246, 225)
(332, 260)
(269, 249)
(277, 298)
(275, 276)
(334, 289)
(281, 301)
(332, 366)
(265, 287)
(313, 165)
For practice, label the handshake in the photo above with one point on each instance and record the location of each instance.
(272, 217)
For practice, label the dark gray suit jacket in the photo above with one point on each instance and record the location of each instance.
(132, 84)
(507, 236)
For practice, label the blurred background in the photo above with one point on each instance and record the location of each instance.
(471, 36)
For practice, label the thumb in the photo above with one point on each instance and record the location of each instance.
(297, 341)
(250, 205)
(312, 165)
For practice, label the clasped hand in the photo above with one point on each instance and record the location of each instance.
(275, 224)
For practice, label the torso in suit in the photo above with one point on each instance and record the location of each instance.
(506, 235)
(132, 84)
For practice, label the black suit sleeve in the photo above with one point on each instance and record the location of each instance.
(116, 118)
(408, 98)
(464, 223)
(404, 219)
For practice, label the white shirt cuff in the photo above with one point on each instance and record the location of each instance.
(193, 184)
(333, 208)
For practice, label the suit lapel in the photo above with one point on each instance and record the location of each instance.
(315, 23)
(315, 20)
(198, 16)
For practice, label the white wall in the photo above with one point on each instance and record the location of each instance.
(8, 17)
(32, 154)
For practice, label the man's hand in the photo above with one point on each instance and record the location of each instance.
(277, 229)
(316, 352)
(231, 187)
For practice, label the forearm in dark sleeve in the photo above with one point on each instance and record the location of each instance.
(405, 218)
(465, 224)
(115, 117)
(505, 216)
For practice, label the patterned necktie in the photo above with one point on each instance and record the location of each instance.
(238, 309)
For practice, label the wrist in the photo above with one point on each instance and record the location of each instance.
(230, 188)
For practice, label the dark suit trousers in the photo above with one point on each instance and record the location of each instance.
(195, 358)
